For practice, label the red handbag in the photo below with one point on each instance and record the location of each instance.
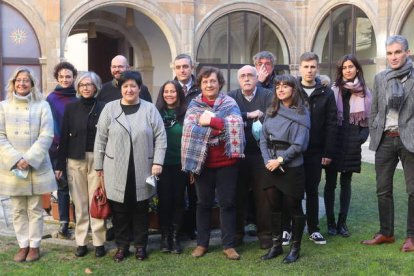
(99, 206)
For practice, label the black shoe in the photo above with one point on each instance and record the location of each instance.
(121, 254)
(274, 251)
(81, 251)
(342, 229)
(332, 230)
(141, 253)
(176, 244)
(64, 230)
(293, 254)
(100, 251)
(165, 246)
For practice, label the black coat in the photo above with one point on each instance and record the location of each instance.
(323, 131)
(74, 131)
(110, 91)
(347, 154)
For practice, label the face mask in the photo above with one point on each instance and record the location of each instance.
(256, 129)
(20, 173)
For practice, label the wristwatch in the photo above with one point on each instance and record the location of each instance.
(280, 160)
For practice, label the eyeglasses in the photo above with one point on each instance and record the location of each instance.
(85, 85)
(22, 80)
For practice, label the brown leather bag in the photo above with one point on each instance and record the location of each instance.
(100, 206)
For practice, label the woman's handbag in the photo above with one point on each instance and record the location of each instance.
(100, 207)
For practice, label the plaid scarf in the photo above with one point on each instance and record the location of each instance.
(196, 138)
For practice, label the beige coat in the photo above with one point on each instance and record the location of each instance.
(26, 131)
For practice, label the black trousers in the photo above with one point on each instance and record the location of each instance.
(250, 178)
(125, 215)
(221, 182)
(386, 159)
(344, 195)
(171, 192)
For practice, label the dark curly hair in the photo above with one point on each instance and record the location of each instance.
(206, 71)
(64, 65)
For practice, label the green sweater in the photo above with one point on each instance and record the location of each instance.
(174, 132)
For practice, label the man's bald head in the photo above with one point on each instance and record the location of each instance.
(119, 64)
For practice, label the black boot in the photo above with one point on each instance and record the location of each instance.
(341, 226)
(297, 233)
(176, 245)
(64, 230)
(276, 249)
(331, 226)
(165, 244)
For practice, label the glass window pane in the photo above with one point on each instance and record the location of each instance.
(213, 45)
(365, 44)
(18, 37)
(407, 30)
(243, 26)
(342, 32)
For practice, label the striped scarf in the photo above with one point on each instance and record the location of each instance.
(196, 138)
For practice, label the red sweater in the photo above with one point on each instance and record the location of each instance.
(216, 156)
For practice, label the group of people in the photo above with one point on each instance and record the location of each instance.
(256, 151)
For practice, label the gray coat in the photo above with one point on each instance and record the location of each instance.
(113, 144)
(379, 112)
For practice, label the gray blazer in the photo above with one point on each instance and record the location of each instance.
(113, 144)
(379, 112)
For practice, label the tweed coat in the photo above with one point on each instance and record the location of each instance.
(113, 141)
(379, 112)
(26, 131)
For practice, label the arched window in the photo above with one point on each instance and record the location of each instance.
(232, 40)
(407, 30)
(346, 30)
(18, 45)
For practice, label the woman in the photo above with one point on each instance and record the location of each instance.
(171, 187)
(212, 143)
(65, 74)
(76, 153)
(26, 133)
(353, 101)
(284, 137)
(130, 146)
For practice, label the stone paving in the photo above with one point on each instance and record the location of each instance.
(51, 226)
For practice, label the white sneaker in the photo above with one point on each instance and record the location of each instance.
(317, 238)
(286, 238)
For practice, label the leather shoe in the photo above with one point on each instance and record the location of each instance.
(21, 255)
(121, 254)
(81, 251)
(231, 254)
(33, 255)
(100, 251)
(379, 239)
(408, 245)
(141, 253)
(199, 251)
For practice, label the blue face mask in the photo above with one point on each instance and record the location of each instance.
(256, 129)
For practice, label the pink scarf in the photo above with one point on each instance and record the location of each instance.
(359, 103)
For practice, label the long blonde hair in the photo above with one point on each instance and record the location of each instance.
(36, 95)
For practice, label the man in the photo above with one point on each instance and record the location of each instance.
(322, 107)
(111, 91)
(391, 126)
(183, 67)
(264, 62)
(253, 101)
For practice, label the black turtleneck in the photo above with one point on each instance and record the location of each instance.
(89, 104)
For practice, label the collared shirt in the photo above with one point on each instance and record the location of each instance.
(250, 98)
(188, 85)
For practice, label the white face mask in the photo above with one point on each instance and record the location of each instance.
(256, 129)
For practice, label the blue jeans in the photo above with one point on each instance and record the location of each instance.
(221, 182)
(390, 150)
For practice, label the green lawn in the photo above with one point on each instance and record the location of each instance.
(341, 256)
